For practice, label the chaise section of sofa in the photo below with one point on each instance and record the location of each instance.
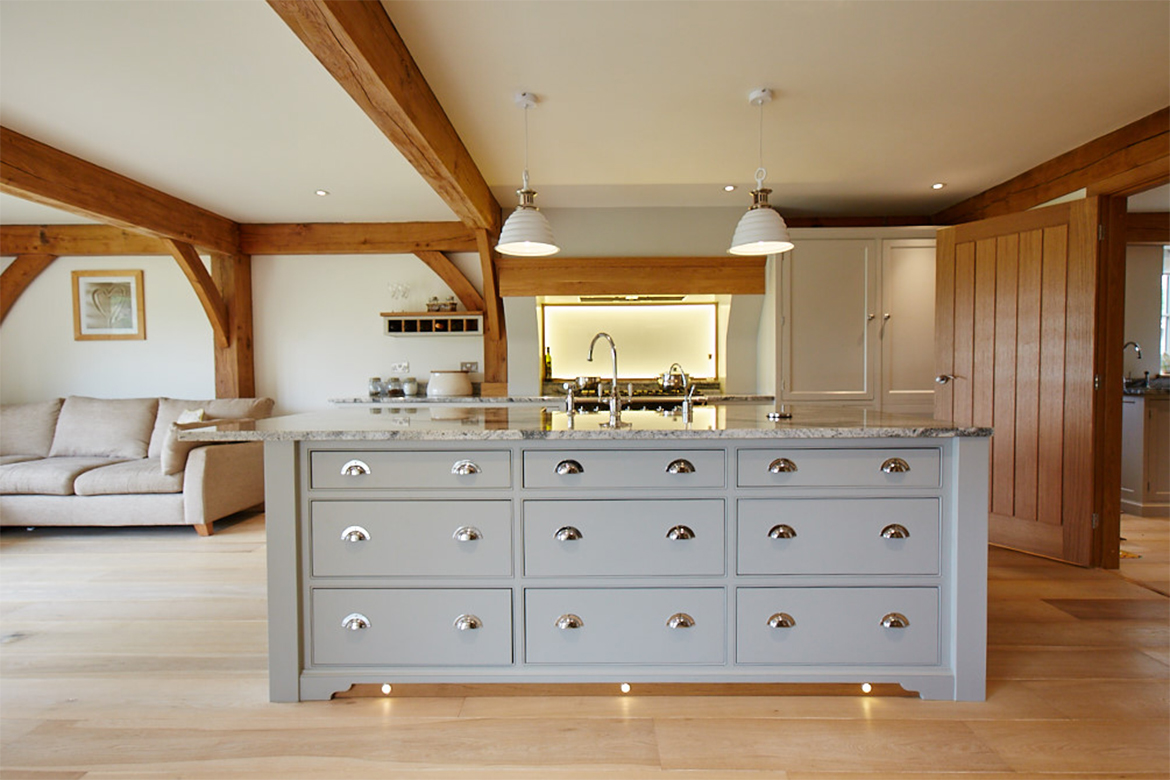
(116, 462)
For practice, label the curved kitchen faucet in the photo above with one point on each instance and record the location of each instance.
(1137, 348)
(615, 400)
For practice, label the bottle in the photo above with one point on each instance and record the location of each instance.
(547, 363)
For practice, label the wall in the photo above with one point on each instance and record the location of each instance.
(39, 358)
(1143, 305)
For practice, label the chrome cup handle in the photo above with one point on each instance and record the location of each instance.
(468, 623)
(461, 468)
(895, 620)
(467, 533)
(355, 621)
(569, 467)
(568, 621)
(680, 532)
(781, 466)
(895, 466)
(781, 620)
(568, 533)
(355, 468)
(355, 533)
(680, 466)
(895, 531)
(680, 620)
(782, 531)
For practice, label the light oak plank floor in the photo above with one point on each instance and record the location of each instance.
(141, 653)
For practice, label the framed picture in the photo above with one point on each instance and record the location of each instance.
(108, 305)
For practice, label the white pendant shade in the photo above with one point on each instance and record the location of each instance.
(761, 231)
(526, 233)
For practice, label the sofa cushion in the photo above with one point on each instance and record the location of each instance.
(47, 476)
(131, 476)
(6, 459)
(27, 429)
(169, 410)
(104, 427)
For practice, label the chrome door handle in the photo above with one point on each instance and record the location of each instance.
(355, 533)
(680, 620)
(782, 531)
(355, 621)
(781, 466)
(782, 620)
(468, 623)
(680, 532)
(570, 467)
(568, 533)
(567, 621)
(895, 466)
(680, 466)
(355, 468)
(462, 468)
(467, 533)
(895, 620)
(942, 379)
(895, 531)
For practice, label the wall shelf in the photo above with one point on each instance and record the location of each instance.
(432, 323)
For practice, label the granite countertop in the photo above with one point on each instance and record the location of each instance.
(537, 400)
(469, 423)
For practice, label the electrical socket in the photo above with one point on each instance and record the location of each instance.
(469, 365)
(399, 368)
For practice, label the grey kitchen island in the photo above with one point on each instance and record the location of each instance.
(518, 544)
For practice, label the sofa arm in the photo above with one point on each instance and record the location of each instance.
(221, 479)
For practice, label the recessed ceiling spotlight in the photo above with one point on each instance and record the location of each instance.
(938, 185)
(322, 193)
(729, 188)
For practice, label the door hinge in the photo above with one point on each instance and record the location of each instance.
(1096, 381)
(1096, 519)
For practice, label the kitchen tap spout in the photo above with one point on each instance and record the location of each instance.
(1137, 348)
(613, 353)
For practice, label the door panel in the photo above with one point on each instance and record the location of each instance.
(907, 327)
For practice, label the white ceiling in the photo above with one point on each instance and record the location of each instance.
(643, 103)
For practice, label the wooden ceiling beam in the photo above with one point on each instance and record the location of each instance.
(77, 241)
(35, 171)
(18, 276)
(208, 294)
(1129, 159)
(453, 278)
(353, 238)
(524, 276)
(1143, 227)
(357, 43)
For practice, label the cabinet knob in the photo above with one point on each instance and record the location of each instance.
(895, 531)
(895, 620)
(567, 621)
(782, 531)
(781, 466)
(680, 532)
(895, 466)
(355, 533)
(570, 467)
(462, 468)
(782, 620)
(355, 468)
(467, 533)
(468, 623)
(568, 533)
(680, 620)
(680, 466)
(355, 621)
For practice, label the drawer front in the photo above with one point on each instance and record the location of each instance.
(839, 467)
(623, 538)
(623, 468)
(836, 626)
(838, 536)
(406, 470)
(625, 626)
(412, 627)
(412, 538)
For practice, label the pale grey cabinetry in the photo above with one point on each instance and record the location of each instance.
(1145, 455)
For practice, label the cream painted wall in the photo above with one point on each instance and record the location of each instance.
(39, 358)
(1143, 303)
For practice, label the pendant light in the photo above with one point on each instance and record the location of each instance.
(526, 233)
(761, 231)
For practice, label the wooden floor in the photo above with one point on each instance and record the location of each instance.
(140, 653)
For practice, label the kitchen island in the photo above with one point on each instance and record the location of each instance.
(519, 544)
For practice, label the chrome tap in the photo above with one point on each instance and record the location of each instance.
(615, 399)
(1137, 348)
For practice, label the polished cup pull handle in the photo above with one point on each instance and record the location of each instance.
(570, 467)
(895, 466)
(680, 532)
(895, 620)
(781, 620)
(468, 623)
(782, 531)
(355, 621)
(680, 466)
(355, 468)
(355, 533)
(680, 620)
(895, 531)
(568, 533)
(565, 622)
(467, 533)
(781, 466)
(461, 468)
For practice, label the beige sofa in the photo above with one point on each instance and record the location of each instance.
(113, 462)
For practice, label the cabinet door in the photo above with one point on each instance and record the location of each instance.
(906, 325)
(828, 321)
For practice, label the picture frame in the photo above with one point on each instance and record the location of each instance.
(108, 305)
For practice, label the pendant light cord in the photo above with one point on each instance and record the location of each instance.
(525, 147)
(761, 172)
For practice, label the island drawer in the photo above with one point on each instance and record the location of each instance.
(411, 538)
(625, 626)
(412, 627)
(410, 469)
(666, 468)
(839, 467)
(624, 538)
(837, 626)
(838, 536)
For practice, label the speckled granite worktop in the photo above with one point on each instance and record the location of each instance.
(470, 422)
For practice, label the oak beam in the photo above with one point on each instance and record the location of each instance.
(34, 171)
(921, 220)
(526, 276)
(235, 367)
(196, 273)
(1127, 160)
(453, 278)
(359, 46)
(77, 241)
(1147, 227)
(495, 334)
(352, 238)
(18, 276)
